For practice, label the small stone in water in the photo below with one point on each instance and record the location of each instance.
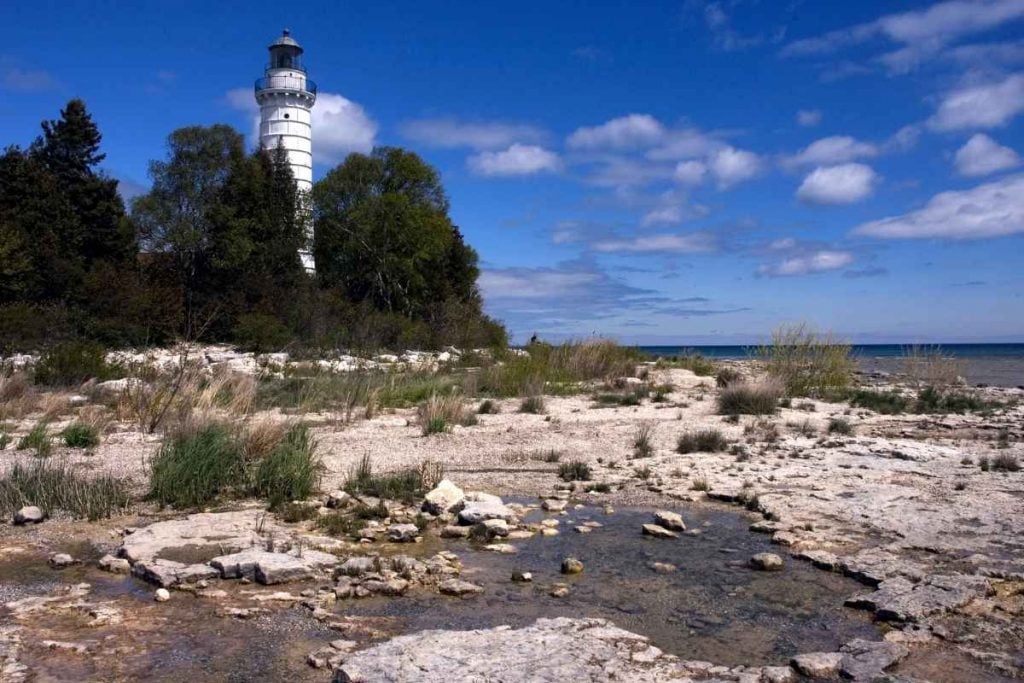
(559, 591)
(522, 577)
(162, 595)
(768, 562)
(571, 565)
(663, 567)
(61, 560)
(658, 531)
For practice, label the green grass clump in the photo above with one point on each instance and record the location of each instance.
(885, 402)
(841, 426)
(632, 398)
(1005, 462)
(193, 469)
(694, 362)
(533, 405)
(37, 440)
(931, 400)
(55, 485)
(574, 470)
(291, 471)
(643, 441)
(80, 435)
(405, 485)
(703, 441)
(439, 413)
(560, 369)
(750, 399)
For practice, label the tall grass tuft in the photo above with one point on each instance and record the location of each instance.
(703, 441)
(291, 471)
(929, 366)
(80, 435)
(439, 413)
(643, 441)
(574, 470)
(807, 363)
(73, 363)
(405, 485)
(750, 399)
(55, 485)
(533, 405)
(38, 440)
(193, 469)
(558, 369)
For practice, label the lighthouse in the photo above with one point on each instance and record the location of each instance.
(286, 98)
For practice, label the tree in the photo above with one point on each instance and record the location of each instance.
(177, 217)
(383, 235)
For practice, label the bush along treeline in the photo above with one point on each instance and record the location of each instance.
(211, 252)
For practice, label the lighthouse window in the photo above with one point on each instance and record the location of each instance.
(287, 116)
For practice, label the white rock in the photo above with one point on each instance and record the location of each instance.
(670, 520)
(445, 497)
(30, 514)
(658, 531)
(162, 595)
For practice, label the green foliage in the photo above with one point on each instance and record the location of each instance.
(261, 333)
(574, 470)
(885, 402)
(807, 363)
(932, 400)
(38, 440)
(694, 362)
(291, 471)
(643, 441)
(193, 469)
(405, 485)
(749, 399)
(704, 441)
(80, 435)
(558, 369)
(72, 363)
(54, 486)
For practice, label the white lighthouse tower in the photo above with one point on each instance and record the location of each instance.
(286, 98)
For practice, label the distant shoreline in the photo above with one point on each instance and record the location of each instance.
(741, 351)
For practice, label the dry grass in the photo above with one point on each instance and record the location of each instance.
(643, 441)
(17, 396)
(750, 399)
(440, 413)
(807, 363)
(234, 392)
(929, 366)
(54, 405)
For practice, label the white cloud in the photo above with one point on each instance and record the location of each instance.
(843, 184)
(684, 143)
(981, 106)
(625, 132)
(990, 210)
(922, 34)
(340, 126)
(836, 149)
(664, 215)
(808, 118)
(981, 155)
(732, 166)
(815, 262)
(667, 244)
(534, 284)
(450, 132)
(690, 172)
(517, 160)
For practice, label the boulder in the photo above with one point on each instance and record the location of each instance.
(658, 531)
(338, 499)
(62, 560)
(162, 595)
(553, 505)
(115, 565)
(818, 664)
(271, 568)
(167, 573)
(670, 520)
(403, 533)
(30, 514)
(866, 660)
(458, 587)
(492, 528)
(767, 562)
(445, 497)
(571, 565)
(477, 510)
(455, 532)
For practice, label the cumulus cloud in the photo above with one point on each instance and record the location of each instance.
(663, 215)
(991, 210)
(920, 34)
(451, 133)
(981, 106)
(815, 262)
(517, 160)
(732, 166)
(692, 243)
(842, 184)
(836, 149)
(808, 118)
(981, 155)
(625, 132)
(690, 172)
(340, 126)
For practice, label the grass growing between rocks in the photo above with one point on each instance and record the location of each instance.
(574, 470)
(54, 486)
(750, 399)
(702, 441)
(292, 469)
(929, 400)
(405, 485)
(840, 426)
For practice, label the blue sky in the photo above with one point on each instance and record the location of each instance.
(661, 172)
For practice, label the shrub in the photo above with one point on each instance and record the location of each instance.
(804, 428)
(661, 393)
(750, 399)
(574, 470)
(885, 402)
(631, 398)
(37, 439)
(73, 363)
(808, 364)
(705, 440)
(984, 463)
(930, 366)
(292, 469)
(192, 469)
(80, 435)
(1005, 462)
(488, 407)
(261, 333)
(438, 413)
(838, 425)
(695, 363)
(559, 368)
(643, 441)
(727, 376)
(533, 405)
(56, 486)
(932, 400)
(700, 483)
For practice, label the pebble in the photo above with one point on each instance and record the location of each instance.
(571, 565)
(162, 595)
(767, 562)
(658, 531)
(522, 577)
(61, 560)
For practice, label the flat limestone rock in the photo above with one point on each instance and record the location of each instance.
(866, 660)
(549, 650)
(445, 497)
(818, 664)
(222, 532)
(476, 511)
(899, 599)
(272, 568)
(672, 521)
(658, 531)
(166, 573)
